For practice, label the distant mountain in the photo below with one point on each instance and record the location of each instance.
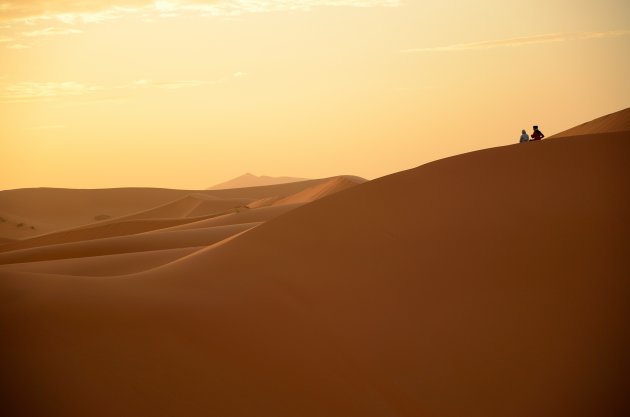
(250, 180)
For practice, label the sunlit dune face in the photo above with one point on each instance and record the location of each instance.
(187, 93)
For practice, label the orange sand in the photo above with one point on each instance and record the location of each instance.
(493, 283)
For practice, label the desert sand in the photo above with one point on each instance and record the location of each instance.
(492, 283)
(72, 212)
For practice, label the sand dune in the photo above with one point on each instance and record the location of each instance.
(106, 265)
(54, 209)
(310, 194)
(168, 239)
(108, 230)
(29, 213)
(192, 207)
(322, 190)
(488, 284)
(262, 214)
(272, 207)
(615, 122)
(17, 227)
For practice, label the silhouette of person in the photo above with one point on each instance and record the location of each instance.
(537, 135)
(524, 136)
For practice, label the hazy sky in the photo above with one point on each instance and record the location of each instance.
(185, 94)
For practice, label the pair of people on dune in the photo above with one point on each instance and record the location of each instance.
(537, 135)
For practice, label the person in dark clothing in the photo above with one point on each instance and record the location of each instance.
(537, 135)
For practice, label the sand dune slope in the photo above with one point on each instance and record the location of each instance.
(168, 239)
(47, 210)
(100, 231)
(192, 205)
(314, 192)
(259, 215)
(106, 265)
(615, 122)
(188, 208)
(320, 190)
(488, 284)
(14, 227)
(53, 209)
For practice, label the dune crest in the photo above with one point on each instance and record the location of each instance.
(614, 122)
(312, 193)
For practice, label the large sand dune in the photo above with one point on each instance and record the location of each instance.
(488, 284)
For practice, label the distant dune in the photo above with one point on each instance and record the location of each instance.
(52, 209)
(185, 206)
(493, 283)
(250, 180)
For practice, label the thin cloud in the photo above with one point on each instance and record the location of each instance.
(70, 10)
(50, 91)
(51, 31)
(18, 46)
(35, 91)
(239, 7)
(86, 11)
(526, 40)
(47, 19)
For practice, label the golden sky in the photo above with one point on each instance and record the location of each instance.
(186, 94)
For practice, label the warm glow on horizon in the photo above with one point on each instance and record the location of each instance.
(189, 93)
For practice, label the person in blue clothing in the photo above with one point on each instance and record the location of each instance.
(524, 136)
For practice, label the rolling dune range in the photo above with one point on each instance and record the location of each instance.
(492, 283)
